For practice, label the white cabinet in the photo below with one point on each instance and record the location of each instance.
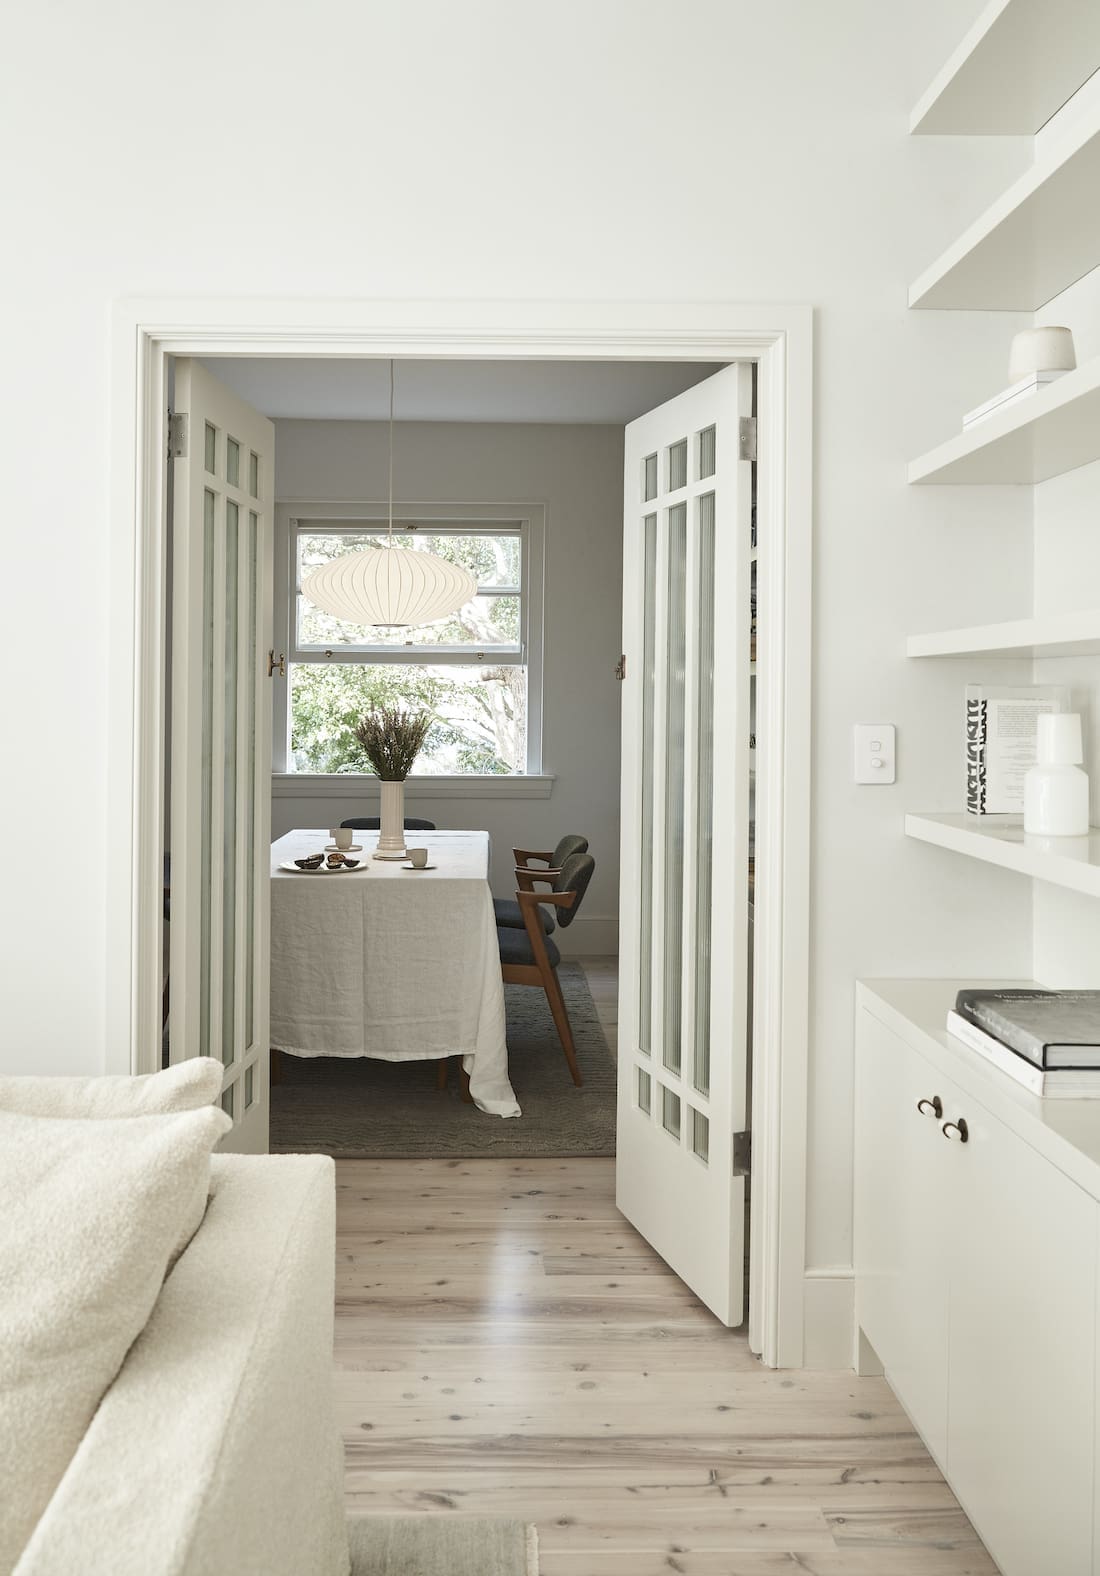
(976, 1285)
(900, 1208)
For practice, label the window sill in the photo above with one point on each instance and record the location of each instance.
(347, 786)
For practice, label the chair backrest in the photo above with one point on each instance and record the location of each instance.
(576, 873)
(571, 843)
(372, 823)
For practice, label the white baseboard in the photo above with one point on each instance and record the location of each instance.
(589, 936)
(829, 1318)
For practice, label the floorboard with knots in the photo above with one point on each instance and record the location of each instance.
(507, 1345)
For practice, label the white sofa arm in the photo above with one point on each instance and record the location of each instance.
(215, 1451)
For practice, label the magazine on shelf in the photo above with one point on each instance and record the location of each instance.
(1002, 723)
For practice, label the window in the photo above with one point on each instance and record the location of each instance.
(474, 672)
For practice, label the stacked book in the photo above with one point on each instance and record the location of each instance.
(1048, 1040)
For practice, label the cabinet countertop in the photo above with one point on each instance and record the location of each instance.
(1066, 1132)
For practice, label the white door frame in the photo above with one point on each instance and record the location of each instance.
(780, 340)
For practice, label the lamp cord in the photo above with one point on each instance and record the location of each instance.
(389, 540)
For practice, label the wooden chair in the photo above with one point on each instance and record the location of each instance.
(507, 911)
(530, 956)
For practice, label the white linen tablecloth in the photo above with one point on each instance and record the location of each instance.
(395, 964)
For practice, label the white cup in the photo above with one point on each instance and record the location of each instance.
(342, 836)
(418, 857)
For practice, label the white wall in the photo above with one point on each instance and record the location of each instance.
(577, 473)
(712, 150)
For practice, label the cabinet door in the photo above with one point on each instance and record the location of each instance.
(902, 1225)
(1022, 1352)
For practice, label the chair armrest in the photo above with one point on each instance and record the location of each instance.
(527, 878)
(522, 855)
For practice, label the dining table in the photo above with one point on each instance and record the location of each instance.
(391, 962)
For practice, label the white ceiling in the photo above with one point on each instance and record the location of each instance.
(554, 391)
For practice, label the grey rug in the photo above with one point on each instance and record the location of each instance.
(441, 1546)
(358, 1109)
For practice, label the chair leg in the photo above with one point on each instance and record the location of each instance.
(561, 1019)
(464, 1078)
(441, 1072)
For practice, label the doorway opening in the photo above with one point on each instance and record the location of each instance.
(772, 347)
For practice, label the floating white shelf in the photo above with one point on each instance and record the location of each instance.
(1040, 235)
(1016, 66)
(1050, 432)
(1053, 635)
(1072, 862)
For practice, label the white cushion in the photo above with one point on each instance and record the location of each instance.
(92, 1211)
(186, 1087)
(182, 1088)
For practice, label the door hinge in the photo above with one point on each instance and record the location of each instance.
(742, 1154)
(177, 435)
(747, 438)
(620, 668)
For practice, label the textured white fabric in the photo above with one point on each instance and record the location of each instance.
(395, 964)
(187, 1087)
(91, 1213)
(215, 1452)
(184, 1088)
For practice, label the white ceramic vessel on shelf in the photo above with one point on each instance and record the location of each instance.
(1056, 790)
(1040, 350)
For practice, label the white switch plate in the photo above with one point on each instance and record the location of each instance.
(874, 752)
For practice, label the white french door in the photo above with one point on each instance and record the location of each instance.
(683, 1051)
(220, 807)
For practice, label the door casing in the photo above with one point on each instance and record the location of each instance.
(146, 332)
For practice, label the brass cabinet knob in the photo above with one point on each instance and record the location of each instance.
(957, 1130)
(933, 1107)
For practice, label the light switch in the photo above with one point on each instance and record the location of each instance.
(874, 752)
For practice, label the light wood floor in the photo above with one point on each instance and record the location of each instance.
(507, 1345)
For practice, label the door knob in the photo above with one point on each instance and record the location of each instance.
(957, 1130)
(933, 1107)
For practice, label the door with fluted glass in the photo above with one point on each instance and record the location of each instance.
(685, 834)
(219, 817)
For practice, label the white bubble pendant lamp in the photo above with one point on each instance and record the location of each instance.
(389, 585)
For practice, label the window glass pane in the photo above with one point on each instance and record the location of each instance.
(706, 452)
(229, 788)
(644, 1090)
(210, 449)
(227, 1099)
(649, 488)
(648, 767)
(670, 1112)
(704, 793)
(232, 462)
(248, 1086)
(254, 474)
(677, 465)
(207, 770)
(479, 714)
(673, 753)
(700, 1135)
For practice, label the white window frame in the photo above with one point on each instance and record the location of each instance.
(294, 518)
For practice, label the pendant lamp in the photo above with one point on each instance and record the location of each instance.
(389, 585)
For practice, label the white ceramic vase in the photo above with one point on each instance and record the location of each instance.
(391, 837)
(1040, 350)
(1056, 790)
